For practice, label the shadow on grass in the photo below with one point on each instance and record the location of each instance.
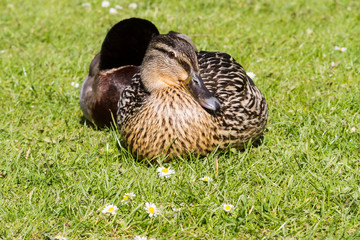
(258, 142)
(84, 122)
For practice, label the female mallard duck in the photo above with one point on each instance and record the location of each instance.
(182, 101)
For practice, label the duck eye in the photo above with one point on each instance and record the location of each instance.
(171, 54)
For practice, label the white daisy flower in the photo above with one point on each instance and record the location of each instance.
(206, 179)
(151, 209)
(112, 11)
(309, 31)
(142, 238)
(110, 209)
(86, 4)
(75, 85)
(118, 7)
(352, 130)
(58, 237)
(3, 51)
(227, 207)
(251, 74)
(105, 4)
(341, 49)
(132, 5)
(127, 197)
(165, 172)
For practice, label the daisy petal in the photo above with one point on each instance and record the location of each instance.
(110, 209)
(165, 172)
(151, 209)
(206, 179)
(132, 5)
(251, 74)
(227, 207)
(105, 4)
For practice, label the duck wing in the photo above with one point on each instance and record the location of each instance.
(243, 107)
(221, 73)
(101, 90)
(112, 69)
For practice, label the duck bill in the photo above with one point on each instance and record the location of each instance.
(197, 88)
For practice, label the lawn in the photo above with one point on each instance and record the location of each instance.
(57, 172)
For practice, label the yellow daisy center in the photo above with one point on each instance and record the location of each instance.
(165, 170)
(126, 197)
(227, 208)
(111, 209)
(205, 179)
(151, 210)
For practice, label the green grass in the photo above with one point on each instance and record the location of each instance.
(303, 182)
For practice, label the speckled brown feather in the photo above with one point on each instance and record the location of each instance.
(243, 114)
(169, 127)
(170, 121)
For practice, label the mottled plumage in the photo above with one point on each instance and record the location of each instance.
(171, 121)
(169, 98)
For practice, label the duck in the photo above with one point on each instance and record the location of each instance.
(182, 101)
(111, 70)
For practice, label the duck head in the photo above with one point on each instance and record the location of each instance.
(171, 60)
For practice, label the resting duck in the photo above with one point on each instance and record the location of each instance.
(180, 100)
(111, 70)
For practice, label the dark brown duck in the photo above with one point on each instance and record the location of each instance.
(180, 100)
